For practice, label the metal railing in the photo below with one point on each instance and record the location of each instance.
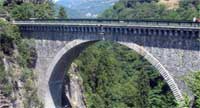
(110, 21)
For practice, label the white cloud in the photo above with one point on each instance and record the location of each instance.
(55, 0)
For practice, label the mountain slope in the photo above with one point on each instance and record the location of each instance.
(171, 4)
(85, 8)
(151, 9)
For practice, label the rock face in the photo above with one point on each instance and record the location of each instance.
(15, 99)
(4, 102)
(16, 89)
(74, 88)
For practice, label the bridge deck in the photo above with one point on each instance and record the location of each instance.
(125, 27)
(116, 25)
(143, 23)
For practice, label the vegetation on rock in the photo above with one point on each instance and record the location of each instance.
(15, 51)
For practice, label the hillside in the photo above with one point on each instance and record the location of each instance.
(85, 8)
(171, 4)
(152, 9)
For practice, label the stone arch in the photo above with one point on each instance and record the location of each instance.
(63, 59)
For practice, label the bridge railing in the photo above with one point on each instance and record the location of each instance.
(110, 21)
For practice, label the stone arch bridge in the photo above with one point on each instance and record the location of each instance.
(172, 47)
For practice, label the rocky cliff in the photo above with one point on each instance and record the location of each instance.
(17, 83)
(74, 88)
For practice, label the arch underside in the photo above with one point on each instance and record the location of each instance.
(64, 58)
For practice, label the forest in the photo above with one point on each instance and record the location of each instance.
(115, 76)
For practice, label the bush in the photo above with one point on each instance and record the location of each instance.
(9, 37)
(7, 89)
(2, 72)
(27, 54)
(26, 74)
(193, 82)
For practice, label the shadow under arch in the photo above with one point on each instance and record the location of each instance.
(64, 58)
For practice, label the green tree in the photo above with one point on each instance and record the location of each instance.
(62, 14)
(9, 36)
(193, 81)
(44, 11)
(23, 11)
(30, 10)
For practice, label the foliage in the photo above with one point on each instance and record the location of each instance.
(10, 39)
(23, 11)
(62, 14)
(8, 36)
(1, 4)
(9, 31)
(44, 11)
(145, 9)
(26, 74)
(32, 100)
(27, 54)
(2, 73)
(117, 77)
(193, 81)
(7, 89)
(4, 84)
(184, 103)
(30, 10)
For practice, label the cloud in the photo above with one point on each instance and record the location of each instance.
(55, 0)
